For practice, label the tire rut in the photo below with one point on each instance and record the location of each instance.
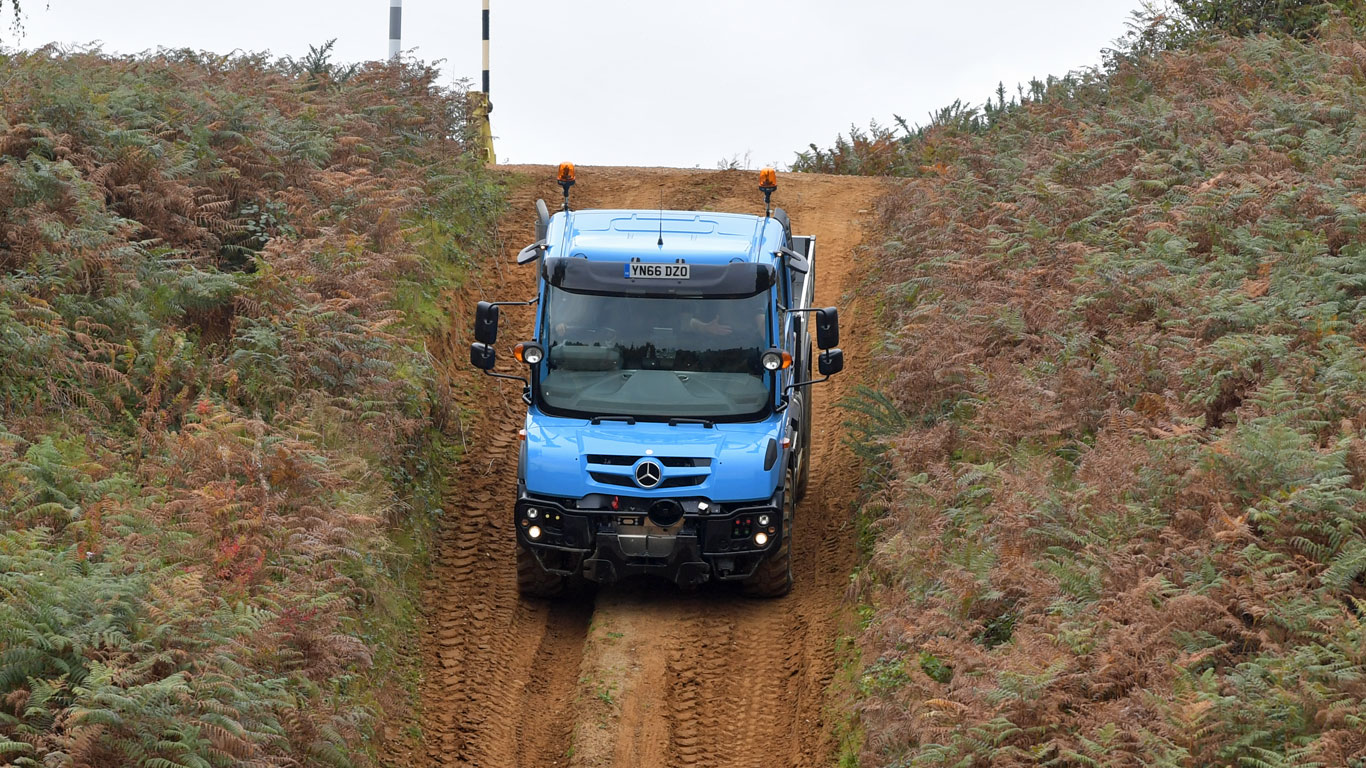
(649, 675)
(500, 672)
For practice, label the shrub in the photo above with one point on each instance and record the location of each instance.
(1121, 519)
(1250, 17)
(214, 388)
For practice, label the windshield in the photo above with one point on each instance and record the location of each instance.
(648, 357)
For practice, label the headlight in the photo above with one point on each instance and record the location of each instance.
(535, 532)
(760, 538)
(775, 360)
(763, 520)
(528, 352)
(534, 513)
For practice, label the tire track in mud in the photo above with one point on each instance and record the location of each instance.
(500, 672)
(643, 674)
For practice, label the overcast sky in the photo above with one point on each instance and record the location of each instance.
(640, 82)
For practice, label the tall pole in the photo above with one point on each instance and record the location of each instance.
(485, 105)
(395, 28)
(486, 49)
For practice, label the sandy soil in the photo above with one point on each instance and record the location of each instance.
(641, 673)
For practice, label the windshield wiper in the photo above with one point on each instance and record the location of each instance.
(596, 420)
(704, 422)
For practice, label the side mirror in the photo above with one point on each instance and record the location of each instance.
(483, 356)
(831, 362)
(486, 323)
(827, 328)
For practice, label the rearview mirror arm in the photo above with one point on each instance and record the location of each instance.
(788, 389)
(526, 385)
(524, 381)
(515, 303)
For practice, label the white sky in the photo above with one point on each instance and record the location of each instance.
(642, 82)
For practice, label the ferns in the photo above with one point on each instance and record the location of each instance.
(1117, 453)
(207, 378)
(876, 418)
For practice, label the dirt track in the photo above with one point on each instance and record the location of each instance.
(639, 674)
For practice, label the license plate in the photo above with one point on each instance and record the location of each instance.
(657, 271)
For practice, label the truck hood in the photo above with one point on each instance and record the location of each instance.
(726, 463)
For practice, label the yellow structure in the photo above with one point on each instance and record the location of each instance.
(480, 107)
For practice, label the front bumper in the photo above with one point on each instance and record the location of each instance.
(604, 544)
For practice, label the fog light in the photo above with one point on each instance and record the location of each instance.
(535, 532)
(760, 538)
(533, 513)
(763, 519)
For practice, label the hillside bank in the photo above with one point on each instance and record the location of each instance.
(1115, 511)
(221, 431)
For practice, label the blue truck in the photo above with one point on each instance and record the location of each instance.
(668, 391)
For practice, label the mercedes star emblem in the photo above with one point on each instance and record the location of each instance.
(648, 474)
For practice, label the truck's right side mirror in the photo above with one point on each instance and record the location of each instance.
(827, 328)
(486, 323)
(831, 362)
(483, 356)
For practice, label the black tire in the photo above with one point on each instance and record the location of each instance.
(535, 581)
(773, 577)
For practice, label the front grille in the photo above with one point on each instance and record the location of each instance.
(625, 481)
(677, 461)
(613, 460)
(616, 469)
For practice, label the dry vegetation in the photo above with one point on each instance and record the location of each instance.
(1116, 511)
(216, 403)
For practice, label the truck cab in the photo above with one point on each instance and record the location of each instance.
(668, 390)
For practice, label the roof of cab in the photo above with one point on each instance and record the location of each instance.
(699, 237)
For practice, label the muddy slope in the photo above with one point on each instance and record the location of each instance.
(639, 674)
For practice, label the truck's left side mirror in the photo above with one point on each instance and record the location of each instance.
(827, 328)
(486, 323)
(831, 362)
(483, 356)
